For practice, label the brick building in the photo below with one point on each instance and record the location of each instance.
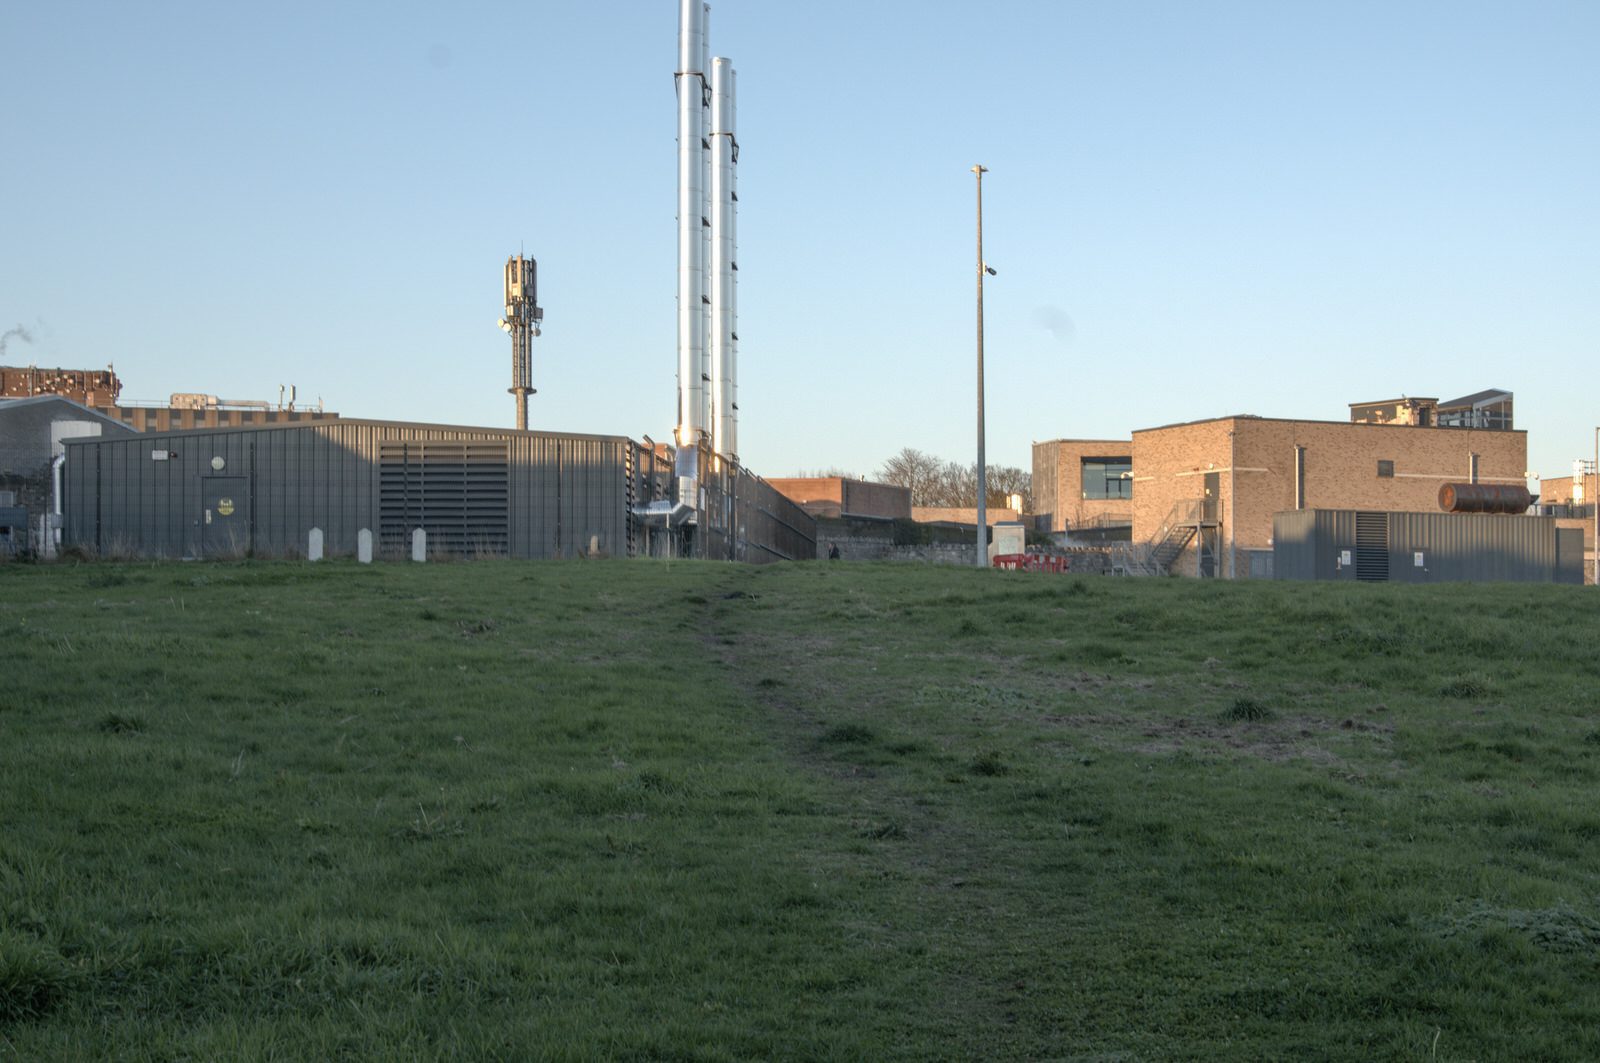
(87, 387)
(1570, 500)
(1200, 496)
(176, 418)
(992, 515)
(1567, 490)
(1226, 477)
(1083, 483)
(840, 496)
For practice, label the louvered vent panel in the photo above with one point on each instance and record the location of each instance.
(1372, 547)
(454, 490)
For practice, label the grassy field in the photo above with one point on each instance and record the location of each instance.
(679, 810)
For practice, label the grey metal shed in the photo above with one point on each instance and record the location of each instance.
(1423, 547)
(219, 492)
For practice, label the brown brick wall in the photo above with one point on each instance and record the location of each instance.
(962, 515)
(173, 418)
(1046, 486)
(1557, 490)
(1058, 482)
(833, 496)
(1254, 462)
(863, 498)
(803, 489)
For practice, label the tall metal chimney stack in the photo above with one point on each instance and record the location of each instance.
(522, 319)
(724, 267)
(693, 100)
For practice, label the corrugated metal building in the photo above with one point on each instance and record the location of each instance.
(260, 490)
(32, 433)
(1424, 547)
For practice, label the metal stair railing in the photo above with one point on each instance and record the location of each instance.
(1177, 531)
(1133, 559)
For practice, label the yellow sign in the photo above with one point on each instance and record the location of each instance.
(225, 506)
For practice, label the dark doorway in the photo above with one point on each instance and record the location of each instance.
(224, 516)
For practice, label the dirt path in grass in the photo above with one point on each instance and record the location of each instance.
(933, 886)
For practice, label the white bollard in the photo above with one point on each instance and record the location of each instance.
(364, 546)
(419, 545)
(314, 545)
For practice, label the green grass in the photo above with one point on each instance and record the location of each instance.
(679, 810)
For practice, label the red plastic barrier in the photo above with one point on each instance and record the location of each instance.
(1033, 562)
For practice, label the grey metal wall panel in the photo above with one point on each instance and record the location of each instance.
(1311, 543)
(1294, 545)
(1569, 555)
(1475, 547)
(561, 490)
(1453, 547)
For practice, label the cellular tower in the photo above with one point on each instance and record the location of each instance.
(522, 319)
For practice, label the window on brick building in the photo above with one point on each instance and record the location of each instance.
(1386, 469)
(1107, 477)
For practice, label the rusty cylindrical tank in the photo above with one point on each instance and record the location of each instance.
(1484, 498)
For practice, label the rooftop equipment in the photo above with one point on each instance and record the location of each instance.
(1484, 498)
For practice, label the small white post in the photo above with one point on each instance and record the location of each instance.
(419, 545)
(46, 538)
(314, 545)
(364, 546)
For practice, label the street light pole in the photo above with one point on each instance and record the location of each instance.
(982, 559)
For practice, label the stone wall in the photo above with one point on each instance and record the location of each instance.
(869, 540)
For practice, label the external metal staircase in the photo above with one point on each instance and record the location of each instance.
(1183, 523)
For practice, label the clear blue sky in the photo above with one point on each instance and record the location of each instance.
(1196, 209)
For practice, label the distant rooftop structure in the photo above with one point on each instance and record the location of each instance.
(1481, 409)
(88, 387)
(1491, 409)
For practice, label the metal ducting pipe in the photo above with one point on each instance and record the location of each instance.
(53, 529)
(724, 268)
(1484, 498)
(691, 86)
(707, 371)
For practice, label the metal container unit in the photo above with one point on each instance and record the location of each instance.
(1376, 547)
(224, 492)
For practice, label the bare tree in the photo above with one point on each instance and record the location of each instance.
(1004, 481)
(832, 472)
(953, 485)
(916, 470)
(958, 485)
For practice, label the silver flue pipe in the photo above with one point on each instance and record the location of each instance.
(691, 87)
(724, 265)
(707, 370)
